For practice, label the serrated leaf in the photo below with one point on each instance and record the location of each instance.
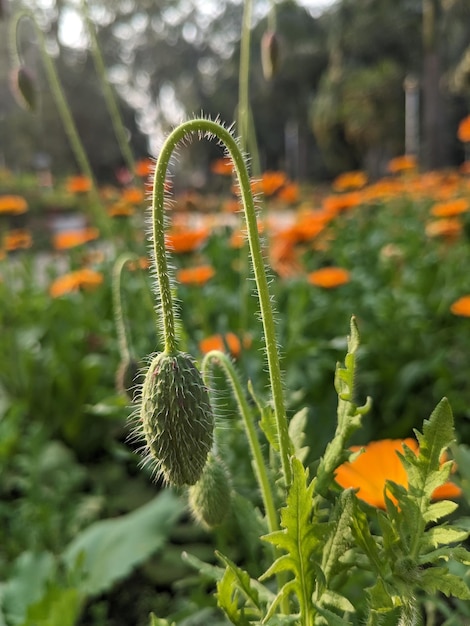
(457, 554)
(242, 580)
(267, 420)
(110, 549)
(299, 538)
(336, 601)
(228, 595)
(340, 536)
(349, 415)
(436, 510)
(205, 569)
(331, 619)
(440, 579)
(364, 538)
(443, 535)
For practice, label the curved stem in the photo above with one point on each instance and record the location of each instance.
(211, 359)
(111, 103)
(208, 128)
(62, 107)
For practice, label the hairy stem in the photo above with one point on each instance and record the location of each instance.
(208, 128)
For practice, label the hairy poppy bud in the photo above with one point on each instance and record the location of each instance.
(24, 88)
(209, 498)
(126, 377)
(177, 418)
(269, 54)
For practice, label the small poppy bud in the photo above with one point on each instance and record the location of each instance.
(126, 376)
(177, 418)
(24, 88)
(209, 498)
(269, 54)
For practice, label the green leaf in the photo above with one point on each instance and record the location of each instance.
(440, 509)
(297, 427)
(443, 535)
(300, 538)
(205, 569)
(31, 573)
(110, 549)
(340, 536)
(440, 579)
(157, 621)
(349, 415)
(331, 619)
(57, 607)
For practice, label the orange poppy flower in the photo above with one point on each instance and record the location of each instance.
(229, 342)
(186, 240)
(378, 463)
(78, 184)
(85, 278)
(402, 164)
(450, 208)
(13, 205)
(450, 228)
(222, 166)
(18, 239)
(329, 277)
(73, 238)
(461, 306)
(350, 180)
(141, 263)
(133, 195)
(144, 167)
(463, 131)
(198, 275)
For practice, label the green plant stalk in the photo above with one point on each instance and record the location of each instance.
(244, 76)
(119, 319)
(62, 107)
(208, 128)
(215, 357)
(111, 103)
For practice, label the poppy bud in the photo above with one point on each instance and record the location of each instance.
(24, 88)
(126, 376)
(209, 498)
(269, 54)
(177, 418)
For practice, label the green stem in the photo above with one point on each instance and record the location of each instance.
(215, 357)
(208, 128)
(244, 76)
(63, 109)
(119, 320)
(111, 103)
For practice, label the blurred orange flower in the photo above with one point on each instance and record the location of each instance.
(144, 167)
(329, 277)
(449, 228)
(195, 275)
(270, 183)
(350, 180)
(378, 463)
(73, 238)
(336, 203)
(222, 166)
(402, 164)
(450, 208)
(461, 306)
(121, 209)
(85, 278)
(288, 193)
(78, 184)
(141, 263)
(185, 240)
(18, 239)
(13, 205)
(228, 342)
(133, 195)
(463, 131)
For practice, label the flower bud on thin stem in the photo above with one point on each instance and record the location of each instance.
(210, 498)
